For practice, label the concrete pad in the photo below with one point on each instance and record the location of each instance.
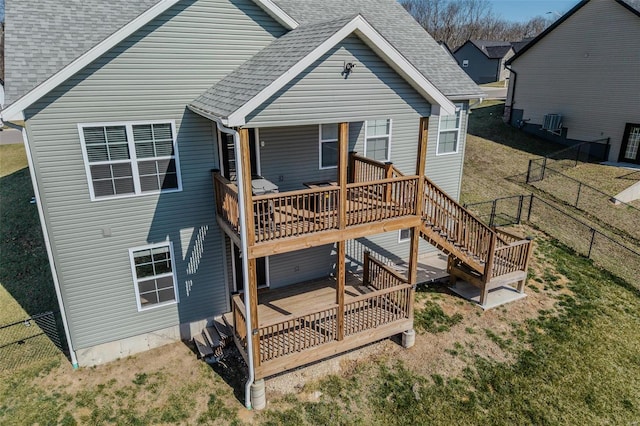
(431, 267)
(497, 296)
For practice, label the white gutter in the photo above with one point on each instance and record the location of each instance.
(47, 242)
(245, 261)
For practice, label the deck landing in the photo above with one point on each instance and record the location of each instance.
(497, 296)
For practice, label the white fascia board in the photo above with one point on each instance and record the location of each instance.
(376, 42)
(15, 111)
(278, 14)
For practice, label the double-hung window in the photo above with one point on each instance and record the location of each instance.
(449, 132)
(124, 159)
(154, 275)
(328, 146)
(377, 141)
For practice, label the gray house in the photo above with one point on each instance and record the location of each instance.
(484, 60)
(186, 153)
(578, 80)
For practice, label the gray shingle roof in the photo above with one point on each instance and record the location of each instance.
(265, 67)
(43, 36)
(390, 19)
(492, 49)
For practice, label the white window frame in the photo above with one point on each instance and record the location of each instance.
(459, 109)
(367, 137)
(133, 160)
(404, 240)
(173, 274)
(321, 141)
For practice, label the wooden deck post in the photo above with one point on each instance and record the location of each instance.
(388, 174)
(420, 165)
(343, 148)
(488, 268)
(247, 189)
(253, 289)
(365, 268)
(522, 283)
(352, 167)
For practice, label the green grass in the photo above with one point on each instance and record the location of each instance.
(26, 287)
(495, 84)
(432, 319)
(580, 366)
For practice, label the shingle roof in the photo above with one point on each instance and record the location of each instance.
(518, 45)
(390, 19)
(492, 49)
(264, 68)
(43, 36)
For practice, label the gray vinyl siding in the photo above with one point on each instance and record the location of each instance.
(322, 95)
(481, 69)
(150, 76)
(587, 70)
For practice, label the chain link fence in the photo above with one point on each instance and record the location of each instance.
(623, 217)
(31, 339)
(621, 259)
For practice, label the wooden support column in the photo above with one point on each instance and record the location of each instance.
(245, 168)
(420, 165)
(253, 295)
(343, 148)
(341, 277)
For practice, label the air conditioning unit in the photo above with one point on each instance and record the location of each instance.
(553, 123)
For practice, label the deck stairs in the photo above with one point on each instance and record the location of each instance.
(484, 257)
(212, 341)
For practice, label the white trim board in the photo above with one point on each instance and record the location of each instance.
(371, 38)
(15, 111)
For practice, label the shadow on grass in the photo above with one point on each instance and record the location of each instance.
(24, 269)
(486, 122)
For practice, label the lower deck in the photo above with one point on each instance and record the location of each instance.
(303, 323)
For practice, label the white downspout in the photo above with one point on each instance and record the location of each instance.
(245, 261)
(47, 242)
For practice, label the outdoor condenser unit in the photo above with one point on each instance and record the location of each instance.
(553, 123)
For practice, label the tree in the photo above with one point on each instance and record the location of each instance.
(456, 21)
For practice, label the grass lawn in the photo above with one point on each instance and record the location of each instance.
(26, 287)
(495, 84)
(567, 354)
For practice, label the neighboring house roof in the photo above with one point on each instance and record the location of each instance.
(46, 37)
(491, 49)
(632, 5)
(242, 91)
(519, 45)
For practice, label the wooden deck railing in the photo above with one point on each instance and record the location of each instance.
(226, 193)
(375, 309)
(363, 169)
(382, 199)
(295, 333)
(239, 321)
(511, 258)
(443, 212)
(295, 213)
(380, 276)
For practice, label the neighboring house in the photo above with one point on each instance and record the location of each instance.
(581, 76)
(127, 114)
(484, 60)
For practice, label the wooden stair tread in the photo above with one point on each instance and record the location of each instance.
(224, 331)
(203, 348)
(212, 336)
